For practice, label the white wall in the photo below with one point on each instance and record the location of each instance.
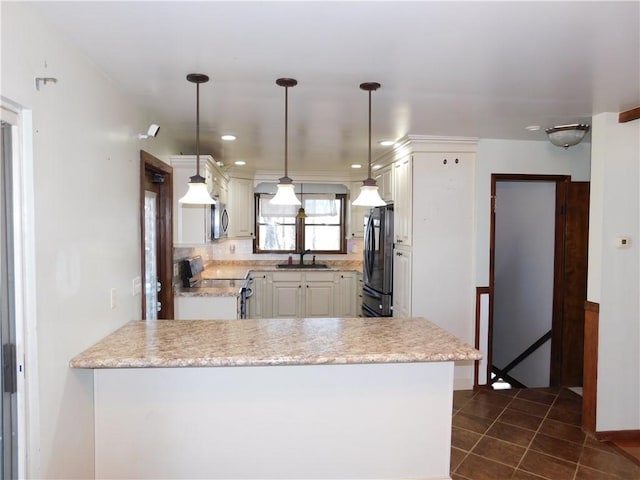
(523, 289)
(614, 280)
(519, 157)
(86, 181)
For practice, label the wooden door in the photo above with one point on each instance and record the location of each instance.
(571, 266)
(156, 177)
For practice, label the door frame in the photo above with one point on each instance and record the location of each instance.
(149, 163)
(558, 277)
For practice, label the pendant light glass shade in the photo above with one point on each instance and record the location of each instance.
(286, 194)
(198, 194)
(567, 135)
(369, 195)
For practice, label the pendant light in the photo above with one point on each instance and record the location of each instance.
(197, 193)
(301, 213)
(286, 194)
(369, 196)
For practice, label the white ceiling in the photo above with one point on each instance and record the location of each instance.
(478, 69)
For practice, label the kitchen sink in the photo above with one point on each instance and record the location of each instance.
(305, 265)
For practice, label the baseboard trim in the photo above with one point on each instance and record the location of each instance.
(619, 436)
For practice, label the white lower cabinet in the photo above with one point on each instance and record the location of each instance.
(302, 294)
(206, 308)
(289, 294)
(347, 294)
(359, 297)
(286, 295)
(258, 304)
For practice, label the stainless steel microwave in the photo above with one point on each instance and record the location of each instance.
(219, 221)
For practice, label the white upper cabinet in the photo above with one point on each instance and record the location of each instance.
(241, 208)
(192, 223)
(403, 201)
(356, 213)
(384, 179)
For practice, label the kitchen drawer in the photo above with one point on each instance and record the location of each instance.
(287, 276)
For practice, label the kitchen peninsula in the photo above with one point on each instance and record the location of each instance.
(278, 398)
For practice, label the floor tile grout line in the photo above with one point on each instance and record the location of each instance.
(484, 434)
(538, 431)
(534, 436)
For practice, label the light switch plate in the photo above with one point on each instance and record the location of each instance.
(137, 286)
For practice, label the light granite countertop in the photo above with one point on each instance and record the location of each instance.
(239, 270)
(253, 342)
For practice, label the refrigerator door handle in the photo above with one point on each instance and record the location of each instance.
(371, 292)
(369, 246)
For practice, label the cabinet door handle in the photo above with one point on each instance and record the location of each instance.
(399, 254)
(399, 241)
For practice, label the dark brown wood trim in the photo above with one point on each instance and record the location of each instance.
(618, 436)
(558, 288)
(476, 364)
(165, 256)
(555, 373)
(592, 307)
(629, 115)
(590, 369)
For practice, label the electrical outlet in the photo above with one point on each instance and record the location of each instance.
(113, 298)
(137, 286)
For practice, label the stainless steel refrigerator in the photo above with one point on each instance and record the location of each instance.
(377, 293)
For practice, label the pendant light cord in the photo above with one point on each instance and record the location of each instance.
(369, 134)
(286, 130)
(197, 129)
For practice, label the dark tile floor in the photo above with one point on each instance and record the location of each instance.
(528, 434)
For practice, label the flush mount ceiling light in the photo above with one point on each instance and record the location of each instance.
(240, 162)
(386, 143)
(152, 131)
(286, 191)
(197, 193)
(369, 196)
(228, 138)
(567, 135)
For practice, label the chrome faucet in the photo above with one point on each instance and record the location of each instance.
(302, 254)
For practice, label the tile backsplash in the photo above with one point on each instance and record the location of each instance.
(242, 250)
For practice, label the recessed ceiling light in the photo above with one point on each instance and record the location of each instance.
(533, 128)
(228, 138)
(386, 143)
(240, 162)
(376, 167)
(356, 165)
(220, 163)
